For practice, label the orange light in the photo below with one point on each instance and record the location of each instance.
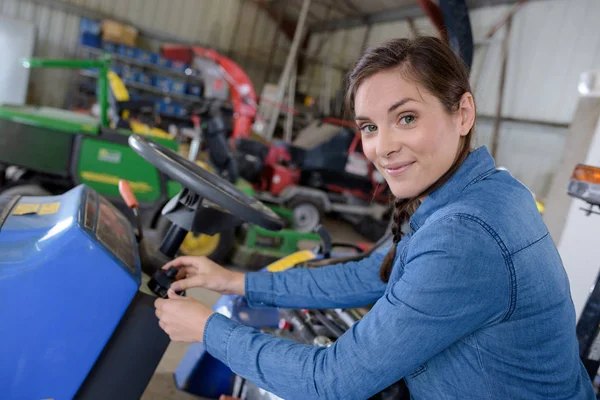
(586, 173)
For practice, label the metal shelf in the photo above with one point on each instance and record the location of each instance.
(132, 61)
(152, 89)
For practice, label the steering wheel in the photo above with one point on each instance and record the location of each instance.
(209, 186)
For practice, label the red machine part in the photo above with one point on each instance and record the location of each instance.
(277, 177)
(243, 95)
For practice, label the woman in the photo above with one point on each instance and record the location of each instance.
(472, 303)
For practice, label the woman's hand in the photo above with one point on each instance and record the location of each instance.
(182, 318)
(204, 273)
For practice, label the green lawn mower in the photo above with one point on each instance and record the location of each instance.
(47, 151)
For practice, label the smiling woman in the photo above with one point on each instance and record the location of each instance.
(416, 118)
(472, 302)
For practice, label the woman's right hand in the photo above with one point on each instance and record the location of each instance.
(202, 272)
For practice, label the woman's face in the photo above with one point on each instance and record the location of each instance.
(406, 132)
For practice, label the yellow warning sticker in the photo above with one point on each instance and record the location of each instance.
(49, 208)
(24, 209)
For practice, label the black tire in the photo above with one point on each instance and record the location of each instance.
(27, 189)
(221, 253)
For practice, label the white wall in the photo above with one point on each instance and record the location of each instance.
(530, 152)
(578, 245)
(16, 43)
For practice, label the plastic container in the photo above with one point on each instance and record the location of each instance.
(179, 66)
(166, 107)
(178, 86)
(162, 62)
(143, 78)
(129, 74)
(127, 51)
(91, 40)
(110, 47)
(181, 111)
(89, 26)
(194, 89)
(162, 83)
(143, 56)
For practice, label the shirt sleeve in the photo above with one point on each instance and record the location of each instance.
(348, 285)
(455, 282)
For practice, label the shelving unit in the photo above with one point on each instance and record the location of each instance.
(193, 76)
(152, 89)
(166, 100)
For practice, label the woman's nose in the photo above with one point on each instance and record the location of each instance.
(385, 144)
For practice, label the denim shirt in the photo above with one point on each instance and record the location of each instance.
(478, 306)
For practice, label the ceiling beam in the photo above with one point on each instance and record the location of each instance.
(391, 15)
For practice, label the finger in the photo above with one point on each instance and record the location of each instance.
(171, 293)
(182, 284)
(158, 303)
(180, 262)
(162, 325)
(181, 274)
(158, 313)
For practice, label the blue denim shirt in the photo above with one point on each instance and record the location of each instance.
(478, 306)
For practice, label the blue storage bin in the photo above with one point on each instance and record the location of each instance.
(143, 78)
(117, 69)
(89, 26)
(166, 107)
(129, 74)
(163, 83)
(110, 47)
(179, 66)
(143, 56)
(194, 89)
(127, 51)
(162, 62)
(91, 40)
(181, 111)
(178, 86)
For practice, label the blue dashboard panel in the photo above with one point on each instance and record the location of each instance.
(69, 268)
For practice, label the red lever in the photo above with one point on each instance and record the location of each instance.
(127, 194)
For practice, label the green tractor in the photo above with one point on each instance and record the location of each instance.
(47, 151)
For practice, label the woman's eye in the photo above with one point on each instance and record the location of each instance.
(369, 128)
(407, 119)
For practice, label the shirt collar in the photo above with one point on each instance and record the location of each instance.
(478, 164)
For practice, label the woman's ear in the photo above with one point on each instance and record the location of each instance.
(466, 113)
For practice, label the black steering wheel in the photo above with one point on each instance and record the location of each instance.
(206, 184)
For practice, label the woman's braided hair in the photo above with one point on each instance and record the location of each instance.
(431, 63)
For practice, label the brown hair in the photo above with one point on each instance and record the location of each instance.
(432, 63)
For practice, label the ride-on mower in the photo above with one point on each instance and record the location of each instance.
(86, 326)
(322, 172)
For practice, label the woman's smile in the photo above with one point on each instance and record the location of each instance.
(398, 168)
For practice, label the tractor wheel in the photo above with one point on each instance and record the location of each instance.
(307, 214)
(24, 190)
(216, 247)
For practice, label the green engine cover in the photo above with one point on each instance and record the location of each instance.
(102, 164)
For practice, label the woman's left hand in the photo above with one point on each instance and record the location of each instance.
(182, 318)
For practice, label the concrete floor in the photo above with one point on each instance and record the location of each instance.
(162, 386)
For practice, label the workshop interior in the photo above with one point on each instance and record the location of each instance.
(136, 131)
